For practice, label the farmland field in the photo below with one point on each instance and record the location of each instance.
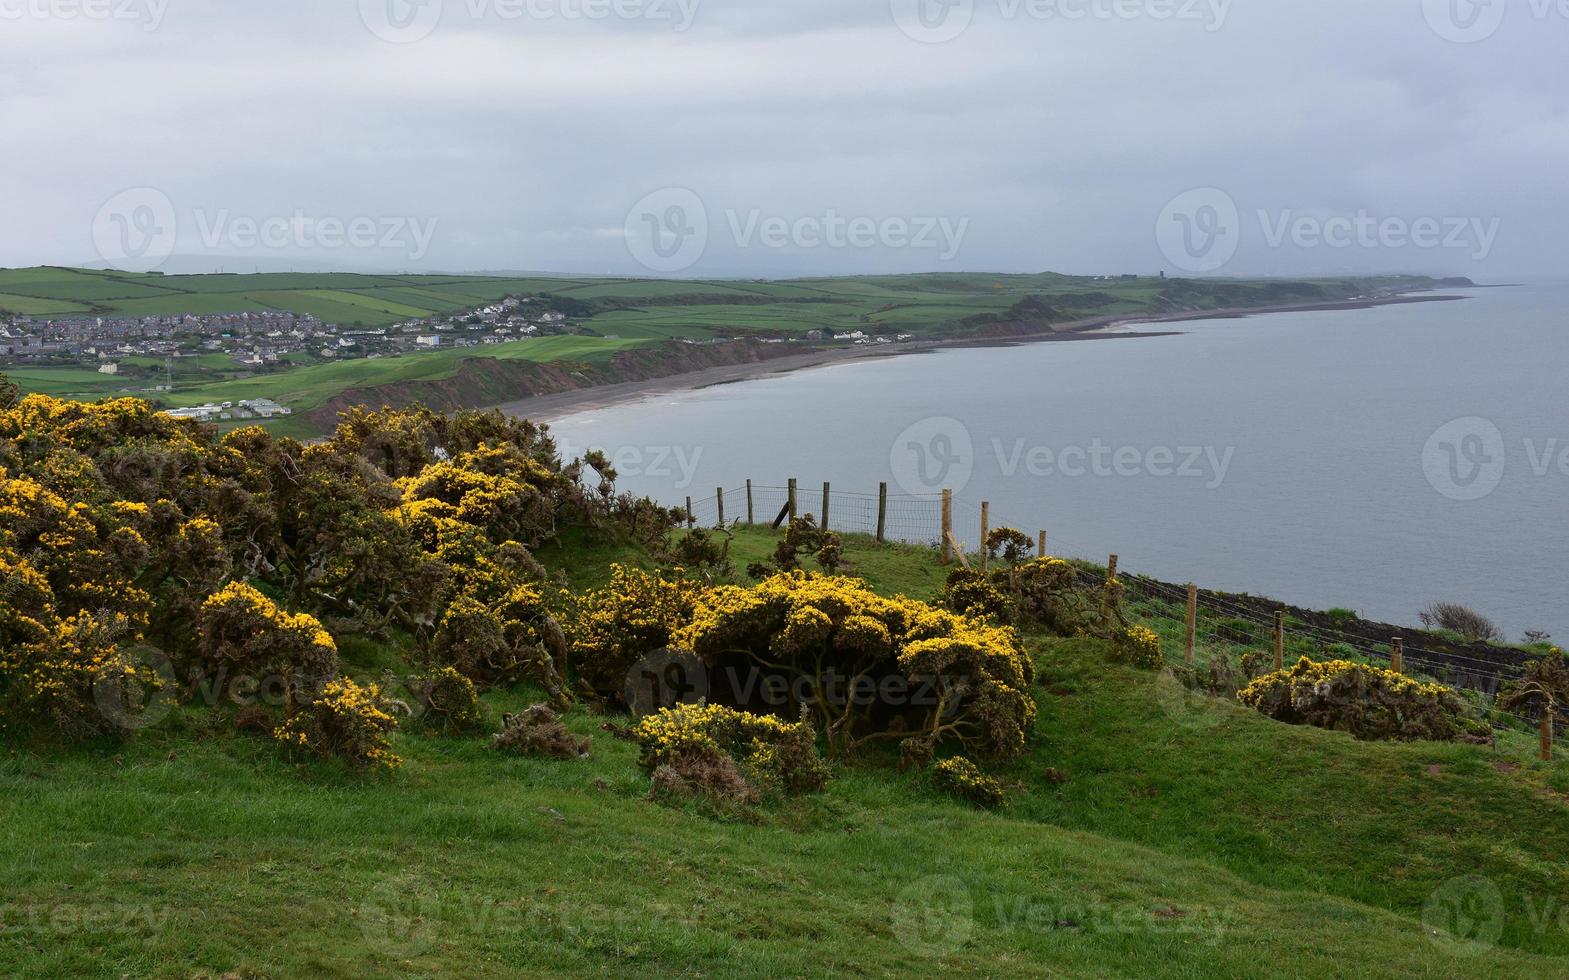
(607, 315)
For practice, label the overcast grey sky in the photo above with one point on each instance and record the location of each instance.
(782, 137)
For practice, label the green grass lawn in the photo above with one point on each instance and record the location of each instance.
(1181, 839)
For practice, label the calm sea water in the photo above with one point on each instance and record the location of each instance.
(1373, 459)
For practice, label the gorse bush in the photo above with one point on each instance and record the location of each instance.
(867, 668)
(613, 628)
(345, 721)
(243, 634)
(242, 554)
(1366, 702)
(1008, 544)
(1138, 647)
(1042, 591)
(446, 701)
(962, 779)
(773, 755)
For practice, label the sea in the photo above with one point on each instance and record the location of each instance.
(1377, 460)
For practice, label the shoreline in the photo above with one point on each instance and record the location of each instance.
(554, 407)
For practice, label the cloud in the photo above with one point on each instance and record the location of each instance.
(1057, 130)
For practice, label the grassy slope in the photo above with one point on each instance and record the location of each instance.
(1285, 852)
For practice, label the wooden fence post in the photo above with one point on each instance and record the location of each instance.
(882, 513)
(825, 506)
(792, 504)
(721, 498)
(947, 527)
(750, 516)
(1193, 622)
(1280, 639)
(1111, 586)
(1397, 655)
(1041, 551)
(986, 528)
(691, 519)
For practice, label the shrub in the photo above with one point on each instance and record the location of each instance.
(1048, 592)
(1461, 620)
(125, 513)
(974, 593)
(703, 550)
(345, 721)
(1543, 688)
(613, 628)
(1139, 647)
(446, 700)
(777, 755)
(539, 731)
(869, 667)
(1039, 590)
(73, 679)
(242, 632)
(1011, 545)
(1222, 678)
(704, 772)
(1366, 702)
(511, 639)
(1257, 663)
(803, 535)
(960, 778)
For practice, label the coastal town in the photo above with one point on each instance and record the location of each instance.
(256, 341)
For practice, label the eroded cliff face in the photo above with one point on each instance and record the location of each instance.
(485, 381)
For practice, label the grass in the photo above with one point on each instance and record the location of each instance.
(1188, 839)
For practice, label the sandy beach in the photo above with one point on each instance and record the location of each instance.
(547, 408)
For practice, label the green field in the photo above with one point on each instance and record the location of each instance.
(1139, 842)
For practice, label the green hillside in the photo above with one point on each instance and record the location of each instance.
(608, 315)
(1139, 842)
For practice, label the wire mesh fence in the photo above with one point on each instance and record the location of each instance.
(1224, 625)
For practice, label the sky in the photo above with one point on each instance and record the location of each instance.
(765, 138)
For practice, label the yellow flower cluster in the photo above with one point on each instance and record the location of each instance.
(778, 754)
(1367, 702)
(961, 778)
(1139, 646)
(807, 624)
(346, 721)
